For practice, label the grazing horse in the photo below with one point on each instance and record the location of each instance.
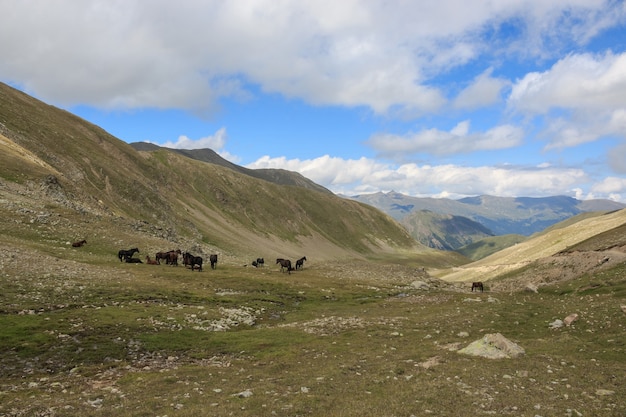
(126, 254)
(151, 261)
(284, 263)
(79, 243)
(213, 260)
(300, 263)
(478, 286)
(189, 259)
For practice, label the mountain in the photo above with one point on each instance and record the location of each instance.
(501, 215)
(277, 176)
(585, 239)
(443, 231)
(59, 170)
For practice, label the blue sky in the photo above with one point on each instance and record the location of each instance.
(443, 99)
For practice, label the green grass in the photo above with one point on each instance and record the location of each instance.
(322, 343)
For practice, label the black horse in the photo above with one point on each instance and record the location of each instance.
(478, 286)
(124, 255)
(213, 260)
(284, 264)
(300, 263)
(189, 259)
(260, 261)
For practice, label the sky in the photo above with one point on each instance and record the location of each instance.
(451, 98)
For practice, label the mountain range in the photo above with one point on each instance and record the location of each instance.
(452, 224)
(97, 186)
(55, 163)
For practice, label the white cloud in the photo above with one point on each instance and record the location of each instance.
(581, 95)
(575, 82)
(483, 91)
(610, 186)
(438, 142)
(163, 54)
(364, 175)
(215, 142)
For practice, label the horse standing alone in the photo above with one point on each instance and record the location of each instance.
(79, 243)
(478, 286)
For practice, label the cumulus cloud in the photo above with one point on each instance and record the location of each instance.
(483, 91)
(438, 142)
(582, 95)
(364, 175)
(610, 186)
(215, 142)
(133, 53)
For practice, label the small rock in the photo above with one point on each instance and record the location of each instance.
(604, 392)
(243, 394)
(623, 308)
(570, 319)
(531, 288)
(556, 324)
(420, 285)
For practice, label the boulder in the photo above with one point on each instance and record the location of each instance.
(493, 346)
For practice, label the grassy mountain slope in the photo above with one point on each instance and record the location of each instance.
(66, 163)
(443, 231)
(489, 245)
(278, 176)
(543, 245)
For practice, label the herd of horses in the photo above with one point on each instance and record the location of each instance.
(195, 262)
(170, 258)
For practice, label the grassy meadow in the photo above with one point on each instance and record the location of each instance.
(85, 335)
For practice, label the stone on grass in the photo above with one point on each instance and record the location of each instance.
(420, 285)
(493, 346)
(570, 319)
(243, 394)
(556, 324)
(531, 288)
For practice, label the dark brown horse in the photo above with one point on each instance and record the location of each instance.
(79, 243)
(192, 261)
(151, 261)
(213, 260)
(300, 263)
(170, 257)
(284, 264)
(125, 255)
(478, 285)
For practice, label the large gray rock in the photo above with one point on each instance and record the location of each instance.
(493, 346)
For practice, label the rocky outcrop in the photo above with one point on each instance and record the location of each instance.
(493, 346)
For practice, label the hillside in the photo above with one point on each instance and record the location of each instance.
(278, 176)
(363, 329)
(443, 231)
(543, 249)
(64, 167)
(501, 215)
